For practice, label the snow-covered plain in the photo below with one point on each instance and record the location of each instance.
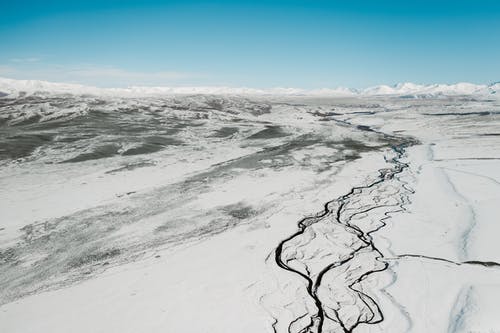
(136, 210)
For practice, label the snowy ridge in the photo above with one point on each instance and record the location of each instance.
(30, 87)
(13, 87)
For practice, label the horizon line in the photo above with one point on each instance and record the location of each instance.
(10, 86)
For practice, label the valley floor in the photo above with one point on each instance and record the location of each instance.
(265, 215)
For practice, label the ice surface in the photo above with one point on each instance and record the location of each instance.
(272, 213)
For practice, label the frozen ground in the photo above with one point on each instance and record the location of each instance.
(268, 213)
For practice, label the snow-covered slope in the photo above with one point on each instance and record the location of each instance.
(13, 87)
(407, 88)
(186, 213)
(29, 87)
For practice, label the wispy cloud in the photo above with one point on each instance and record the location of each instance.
(110, 72)
(94, 75)
(7, 70)
(25, 60)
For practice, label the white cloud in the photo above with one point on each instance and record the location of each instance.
(7, 70)
(25, 60)
(93, 75)
(109, 72)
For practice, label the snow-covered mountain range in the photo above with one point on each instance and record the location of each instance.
(11, 87)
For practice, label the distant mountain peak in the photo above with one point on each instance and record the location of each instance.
(408, 89)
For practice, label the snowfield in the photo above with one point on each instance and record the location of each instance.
(402, 90)
(244, 210)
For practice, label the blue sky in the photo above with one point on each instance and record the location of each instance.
(307, 44)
